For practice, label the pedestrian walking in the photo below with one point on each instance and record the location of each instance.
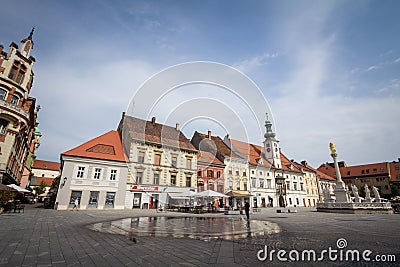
(76, 203)
(247, 210)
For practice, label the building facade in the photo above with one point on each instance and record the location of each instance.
(375, 174)
(44, 171)
(162, 161)
(210, 172)
(95, 173)
(17, 112)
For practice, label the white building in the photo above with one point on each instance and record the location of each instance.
(95, 173)
(163, 162)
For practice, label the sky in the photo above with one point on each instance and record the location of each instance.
(327, 70)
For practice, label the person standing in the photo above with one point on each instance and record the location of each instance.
(247, 210)
(76, 203)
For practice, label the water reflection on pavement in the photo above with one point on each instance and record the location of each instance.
(203, 228)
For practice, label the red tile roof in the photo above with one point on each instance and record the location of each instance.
(135, 128)
(208, 158)
(107, 147)
(318, 173)
(46, 165)
(364, 170)
(213, 144)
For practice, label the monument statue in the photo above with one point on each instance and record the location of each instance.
(367, 194)
(376, 194)
(332, 147)
(354, 189)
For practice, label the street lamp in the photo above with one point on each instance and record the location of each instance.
(64, 181)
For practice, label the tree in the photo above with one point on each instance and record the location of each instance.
(40, 189)
(395, 190)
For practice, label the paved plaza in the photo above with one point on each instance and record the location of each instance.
(44, 237)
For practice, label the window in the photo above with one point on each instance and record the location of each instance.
(3, 94)
(382, 169)
(288, 185)
(93, 199)
(295, 186)
(157, 159)
(348, 173)
(218, 174)
(301, 187)
(80, 173)
(200, 186)
(297, 201)
(14, 100)
(375, 170)
(237, 171)
(252, 171)
(3, 126)
(262, 183)
(139, 177)
(244, 186)
(188, 181)
(141, 157)
(174, 161)
(17, 72)
(362, 171)
(244, 173)
(290, 201)
(237, 185)
(113, 175)
(110, 197)
(188, 163)
(220, 188)
(199, 174)
(253, 182)
(210, 185)
(209, 173)
(230, 185)
(397, 167)
(398, 176)
(156, 178)
(230, 170)
(97, 173)
(75, 195)
(173, 179)
(268, 183)
(367, 171)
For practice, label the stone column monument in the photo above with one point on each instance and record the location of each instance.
(340, 190)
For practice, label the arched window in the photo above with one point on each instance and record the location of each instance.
(14, 100)
(3, 94)
(3, 126)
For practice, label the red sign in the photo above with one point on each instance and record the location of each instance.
(145, 188)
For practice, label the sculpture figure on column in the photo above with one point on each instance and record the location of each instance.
(376, 194)
(367, 194)
(354, 189)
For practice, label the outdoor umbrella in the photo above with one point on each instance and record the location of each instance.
(211, 193)
(19, 189)
(6, 188)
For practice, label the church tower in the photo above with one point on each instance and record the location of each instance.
(271, 147)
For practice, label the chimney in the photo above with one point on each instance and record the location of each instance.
(398, 159)
(228, 136)
(153, 120)
(209, 135)
(177, 126)
(304, 163)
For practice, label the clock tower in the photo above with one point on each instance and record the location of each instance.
(271, 147)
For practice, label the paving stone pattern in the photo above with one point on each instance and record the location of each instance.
(44, 237)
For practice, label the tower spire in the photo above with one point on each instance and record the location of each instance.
(31, 34)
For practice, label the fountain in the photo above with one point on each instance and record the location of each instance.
(343, 203)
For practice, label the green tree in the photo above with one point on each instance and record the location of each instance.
(394, 190)
(40, 189)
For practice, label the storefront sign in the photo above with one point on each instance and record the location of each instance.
(144, 188)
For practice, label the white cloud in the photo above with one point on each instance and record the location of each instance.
(248, 65)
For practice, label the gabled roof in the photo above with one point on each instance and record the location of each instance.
(153, 132)
(208, 158)
(46, 165)
(252, 151)
(318, 173)
(213, 144)
(289, 165)
(364, 170)
(106, 147)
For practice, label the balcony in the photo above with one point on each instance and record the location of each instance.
(14, 107)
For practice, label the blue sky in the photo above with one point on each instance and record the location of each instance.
(330, 70)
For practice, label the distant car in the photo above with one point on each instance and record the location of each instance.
(30, 200)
